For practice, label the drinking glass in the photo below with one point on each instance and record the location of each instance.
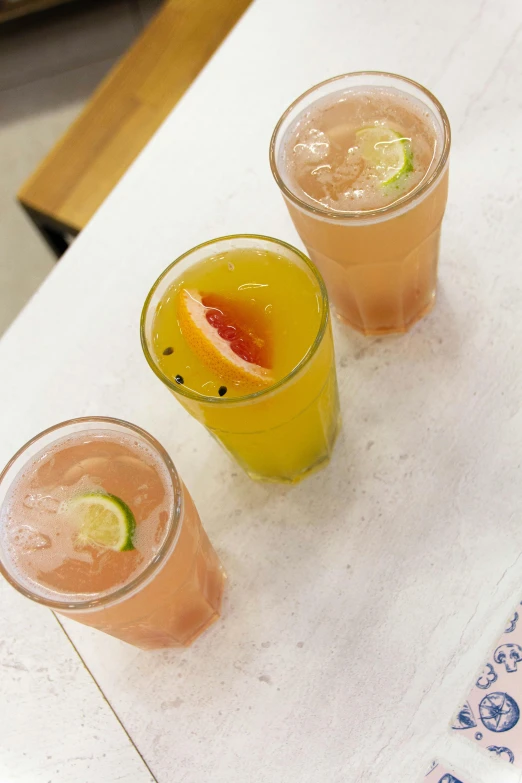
(379, 265)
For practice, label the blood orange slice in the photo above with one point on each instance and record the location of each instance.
(227, 336)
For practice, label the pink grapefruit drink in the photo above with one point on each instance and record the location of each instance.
(96, 523)
(362, 163)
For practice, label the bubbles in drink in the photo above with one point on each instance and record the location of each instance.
(325, 163)
(39, 534)
(142, 495)
(163, 519)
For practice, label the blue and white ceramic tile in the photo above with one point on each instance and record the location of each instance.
(491, 715)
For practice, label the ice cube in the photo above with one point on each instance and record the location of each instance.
(91, 466)
(44, 503)
(313, 146)
(48, 504)
(30, 501)
(30, 540)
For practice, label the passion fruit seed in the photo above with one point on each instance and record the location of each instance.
(179, 379)
(168, 351)
(222, 391)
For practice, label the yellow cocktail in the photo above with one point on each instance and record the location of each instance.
(239, 330)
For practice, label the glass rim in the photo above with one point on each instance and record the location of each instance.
(184, 392)
(336, 215)
(169, 541)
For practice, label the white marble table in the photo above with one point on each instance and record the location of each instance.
(360, 603)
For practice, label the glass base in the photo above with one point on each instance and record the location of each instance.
(210, 621)
(165, 639)
(383, 330)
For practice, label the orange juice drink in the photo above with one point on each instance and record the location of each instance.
(362, 163)
(239, 330)
(96, 523)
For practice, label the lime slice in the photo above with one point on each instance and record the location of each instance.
(387, 151)
(104, 520)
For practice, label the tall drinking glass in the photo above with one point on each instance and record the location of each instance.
(343, 139)
(96, 524)
(283, 431)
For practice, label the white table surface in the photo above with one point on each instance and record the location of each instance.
(361, 603)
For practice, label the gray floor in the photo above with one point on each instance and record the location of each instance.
(49, 65)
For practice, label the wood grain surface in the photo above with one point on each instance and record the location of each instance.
(127, 108)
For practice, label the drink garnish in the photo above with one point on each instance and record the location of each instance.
(103, 520)
(387, 151)
(226, 337)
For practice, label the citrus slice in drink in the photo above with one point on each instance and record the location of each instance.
(103, 520)
(227, 336)
(387, 151)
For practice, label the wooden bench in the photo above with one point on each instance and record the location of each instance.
(129, 105)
